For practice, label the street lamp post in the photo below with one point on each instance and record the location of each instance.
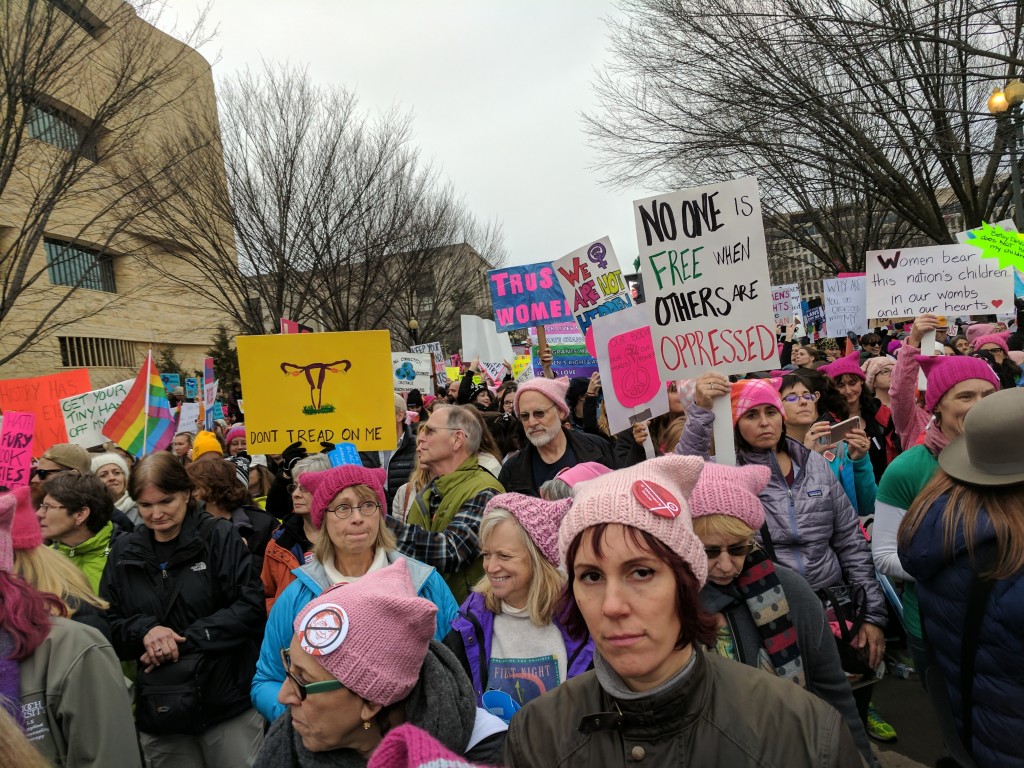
(414, 329)
(1007, 102)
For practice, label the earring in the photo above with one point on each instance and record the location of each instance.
(366, 725)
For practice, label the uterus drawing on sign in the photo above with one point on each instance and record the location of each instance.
(316, 373)
(636, 380)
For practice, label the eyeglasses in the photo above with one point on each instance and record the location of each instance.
(344, 511)
(305, 689)
(736, 550)
(872, 343)
(47, 507)
(524, 416)
(431, 429)
(792, 397)
(293, 487)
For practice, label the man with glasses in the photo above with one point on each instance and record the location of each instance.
(63, 457)
(443, 525)
(541, 408)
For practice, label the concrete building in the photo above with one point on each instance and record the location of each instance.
(106, 94)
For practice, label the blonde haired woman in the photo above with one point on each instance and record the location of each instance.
(506, 634)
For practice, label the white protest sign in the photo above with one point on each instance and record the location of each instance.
(845, 308)
(705, 270)
(87, 413)
(434, 349)
(592, 282)
(188, 418)
(209, 395)
(950, 280)
(481, 340)
(629, 371)
(495, 372)
(412, 370)
(787, 307)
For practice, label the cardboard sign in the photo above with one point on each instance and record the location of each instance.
(705, 268)
(945, 279)
(522, 368)
(41, 395)
(85, 414)
(495, 373)
(787, 307)
(453, 373)
(209, 402)
(480, 339)
(313, 387)
(525, 296)
(171, 381)
(191, 387)
(188, 418)
(16, 449)
(434, 349)
(592, 282)
(412, 370)
(815, 319)
(623, 340)
(569, 352)
(846, 305)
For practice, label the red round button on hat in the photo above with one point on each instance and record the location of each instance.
(656, 499)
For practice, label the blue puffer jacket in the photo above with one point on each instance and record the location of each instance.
(943, 587)
(814, 528)
(310, 581)
(472, 631)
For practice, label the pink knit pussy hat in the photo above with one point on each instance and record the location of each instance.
(999, 339)
(849, 364)
(540, 519)
(329, 483)
(372, 635)
(579, 473)
(724, 490)
(874, 366)
(752, 393)
(650, 496)
(554, 390)
(7, 505)
(238, 430)
(410, 747)
(978, 329)
(945, 372)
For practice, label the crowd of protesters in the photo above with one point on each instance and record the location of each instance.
(513, 584)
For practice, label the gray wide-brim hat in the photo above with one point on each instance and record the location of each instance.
(991, 449)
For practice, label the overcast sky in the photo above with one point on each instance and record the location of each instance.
(496, 89)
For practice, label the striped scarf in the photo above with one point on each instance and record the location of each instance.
(759, 585)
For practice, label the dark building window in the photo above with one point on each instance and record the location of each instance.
(79, 267)
(85, 351)
(59, 129)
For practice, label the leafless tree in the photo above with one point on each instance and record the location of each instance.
(864, 122)
(332, 211)
(82, 87)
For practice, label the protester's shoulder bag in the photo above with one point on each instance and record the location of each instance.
(168, 698)
(845, 608)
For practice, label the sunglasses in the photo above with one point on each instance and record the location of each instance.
(42, 474)
(736, 550)
(305, 689)
(525, 416)
(293, 487)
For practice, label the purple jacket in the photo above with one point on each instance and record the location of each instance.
(474, 626)
(814, 528)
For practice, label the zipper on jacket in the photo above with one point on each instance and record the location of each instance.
(792, 507)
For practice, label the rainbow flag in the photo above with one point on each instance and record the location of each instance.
(143, 424)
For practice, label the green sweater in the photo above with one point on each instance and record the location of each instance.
(91, 555)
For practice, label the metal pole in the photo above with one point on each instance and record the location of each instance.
(1016, 118)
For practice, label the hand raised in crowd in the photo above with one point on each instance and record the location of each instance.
(709, 386)
(640, 432)
(161, 645)
(508, 365)
(594, 387)
(292, 454)
(475, 365)
(923, 324)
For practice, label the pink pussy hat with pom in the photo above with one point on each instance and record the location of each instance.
(650, 496)
(371, 635)
(554, 390)
(724, 490)
(752, 393)
(848, 364)
(329, 483)
(945, 372)
(540, 519)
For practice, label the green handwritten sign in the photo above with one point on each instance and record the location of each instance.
(998, 243)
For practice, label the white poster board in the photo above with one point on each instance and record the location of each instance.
(87, 413)
(434, 349)
(845, 308)
(705, 271)
(412, 370)
(787, 308)
(948, 280)
(592, 282)
(481, 340)
(188, 418)
(620, 368)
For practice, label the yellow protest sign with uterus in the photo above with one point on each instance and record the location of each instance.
(317, 387)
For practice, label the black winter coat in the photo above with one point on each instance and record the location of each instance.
(219, 608)
(517, 474)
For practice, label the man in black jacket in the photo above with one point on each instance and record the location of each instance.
(540, 406)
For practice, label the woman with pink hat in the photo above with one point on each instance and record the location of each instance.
(507, 635)
(994, 350)
(851, 382)
(656, 696)
(954, 386)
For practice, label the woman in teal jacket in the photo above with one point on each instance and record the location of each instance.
(356, 542)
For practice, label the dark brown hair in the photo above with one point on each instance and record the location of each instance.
(220, 482)
(696, 624)
(76, 491)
